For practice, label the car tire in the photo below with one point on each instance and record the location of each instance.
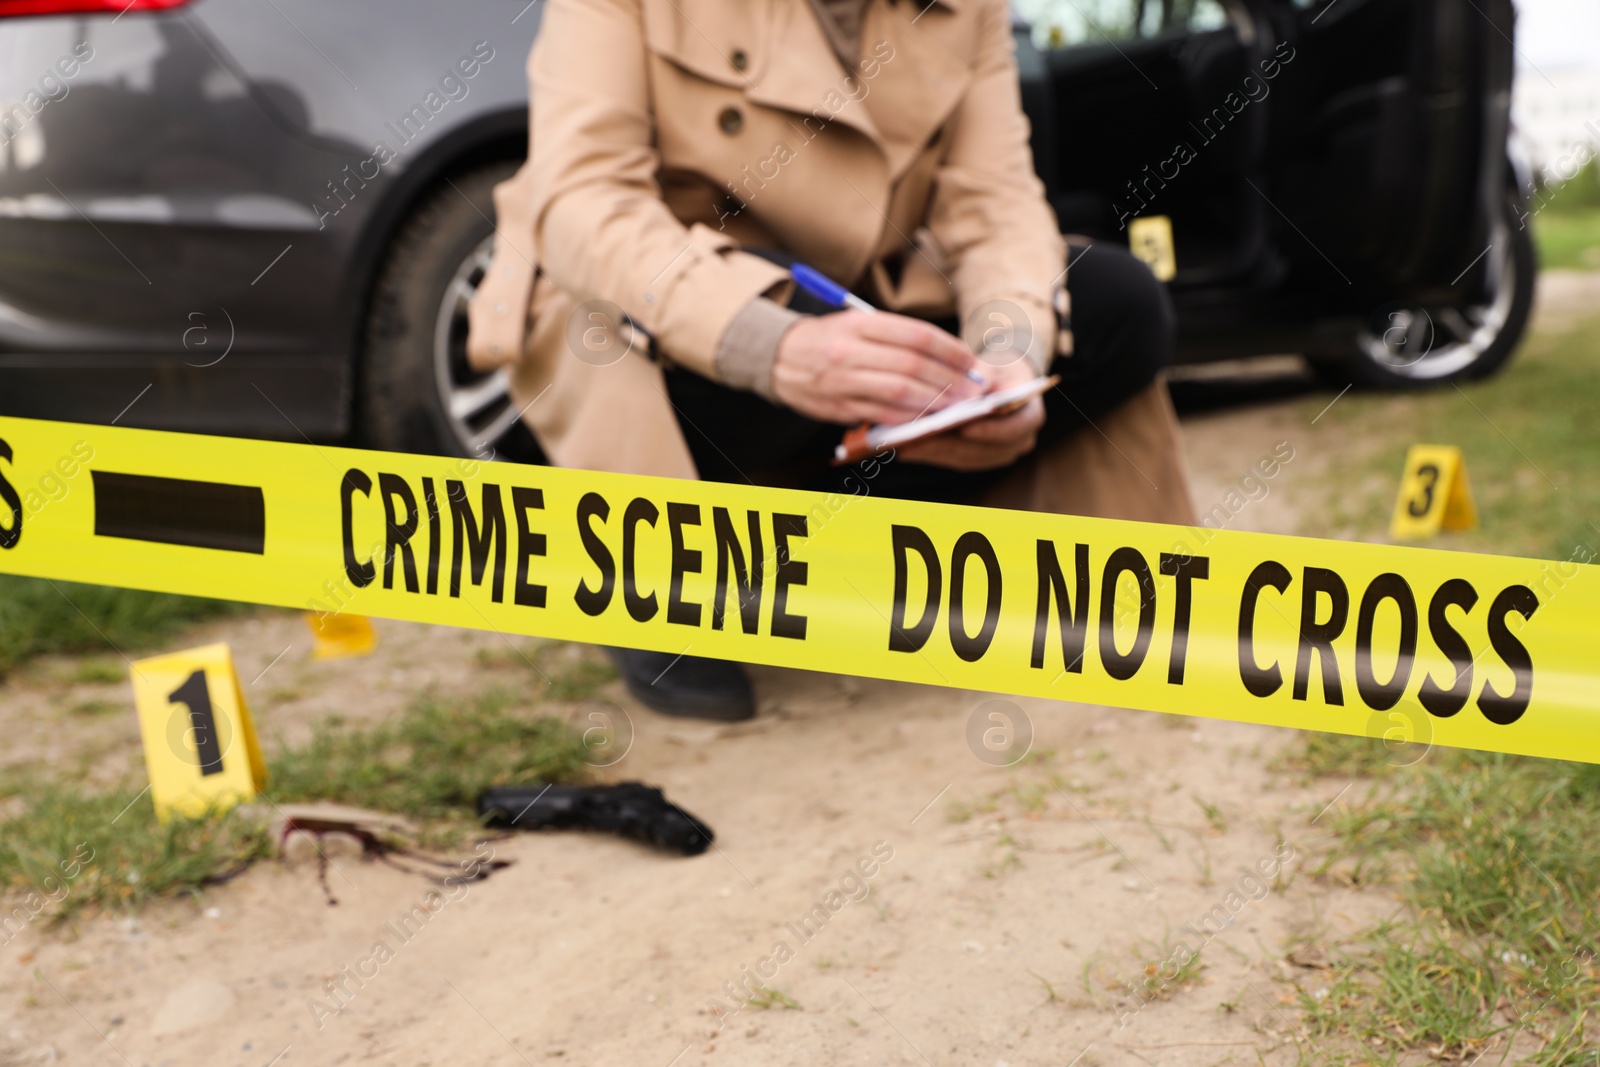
(1410, 347)
(416, 390)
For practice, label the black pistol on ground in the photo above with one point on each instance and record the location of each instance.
(631, 809)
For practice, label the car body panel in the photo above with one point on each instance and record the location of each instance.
(182, 216)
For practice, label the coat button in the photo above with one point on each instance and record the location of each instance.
(740, 59)
(730, 120)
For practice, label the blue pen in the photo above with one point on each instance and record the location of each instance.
(831, 292)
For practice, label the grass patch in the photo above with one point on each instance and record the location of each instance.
(65, 850)
(572, 672)
(1331, 755)
(575, 672)
(1528, 451)
(1566, 221)
(1169, 967)
(429, 764)
(97, 708)
(99, 671)
(1496, 864)
(1568, 239)
(39, 617)
(766, 998)
(433, 761)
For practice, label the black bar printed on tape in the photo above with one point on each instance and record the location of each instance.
(178, 511)
(755, 573)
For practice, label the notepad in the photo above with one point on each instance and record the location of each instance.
(867, 440)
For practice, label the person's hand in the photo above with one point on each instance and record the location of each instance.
(987, 443)
(855, 366)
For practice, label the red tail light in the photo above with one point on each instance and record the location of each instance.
(12, 8)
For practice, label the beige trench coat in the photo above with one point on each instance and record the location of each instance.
(668, 134)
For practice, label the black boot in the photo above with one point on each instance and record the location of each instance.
(686, 686)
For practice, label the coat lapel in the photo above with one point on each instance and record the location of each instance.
(703, 36)
(802, 74)
(916, 90)
(795, 69)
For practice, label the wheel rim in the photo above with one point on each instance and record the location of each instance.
(477, 405)
(1456, 338)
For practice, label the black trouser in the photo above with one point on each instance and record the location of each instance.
(1122, 326)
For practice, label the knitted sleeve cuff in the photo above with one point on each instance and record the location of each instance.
(749, 345)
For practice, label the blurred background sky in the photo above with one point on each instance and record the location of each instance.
(1556, 98)
(1559, 33)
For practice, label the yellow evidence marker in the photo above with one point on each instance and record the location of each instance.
(1150, 240)
(1434, 494)
(200, 746)
(336, 636)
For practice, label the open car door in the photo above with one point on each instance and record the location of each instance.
(1332, 161)
(1388, 155)
(1156, 107)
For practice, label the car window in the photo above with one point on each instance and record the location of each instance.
(1058, 24)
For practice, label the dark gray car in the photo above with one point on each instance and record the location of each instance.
(265, 217)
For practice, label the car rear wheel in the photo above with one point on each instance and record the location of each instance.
(1414, 346)
(418, 393)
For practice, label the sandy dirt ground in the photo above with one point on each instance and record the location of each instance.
(1004, 911)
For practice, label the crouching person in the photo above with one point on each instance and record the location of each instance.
(685, 153)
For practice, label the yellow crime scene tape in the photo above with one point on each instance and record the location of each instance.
(1457, 649)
